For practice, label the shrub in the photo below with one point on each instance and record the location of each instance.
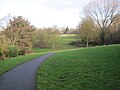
(21, 52)
(13, 51)
(6, 53)
(1, 54)
(28, 50)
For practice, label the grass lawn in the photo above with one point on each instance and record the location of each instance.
(96, 68)
(64, 42)
(9, 63)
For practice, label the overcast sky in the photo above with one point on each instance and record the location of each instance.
(45, 13)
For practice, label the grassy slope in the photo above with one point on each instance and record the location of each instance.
(84, 69)
(9, 63)
(63, 43)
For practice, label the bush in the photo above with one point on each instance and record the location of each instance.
(6, 53)
(21, 52)
(1, 53)
(78, 44)
(13, 51)
(28, 50)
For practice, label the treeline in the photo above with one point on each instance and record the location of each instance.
(46, 37)
(101, 23)
(18, 37)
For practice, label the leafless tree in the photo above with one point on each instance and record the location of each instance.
(46, 37)
(104, 13)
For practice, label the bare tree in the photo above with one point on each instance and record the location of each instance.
(46, 37)
(54, 35)
(104, 13)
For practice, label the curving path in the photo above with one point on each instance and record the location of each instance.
(22, 77)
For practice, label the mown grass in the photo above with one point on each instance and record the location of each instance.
(64, 42)
(96, 68)
(10, 63)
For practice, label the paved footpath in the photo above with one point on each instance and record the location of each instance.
(22, 77)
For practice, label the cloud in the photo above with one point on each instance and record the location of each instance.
(64, 4)
(45, 12)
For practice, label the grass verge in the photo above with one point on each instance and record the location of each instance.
(10, 63)
(95, 68)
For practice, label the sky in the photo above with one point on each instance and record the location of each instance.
(45, 13)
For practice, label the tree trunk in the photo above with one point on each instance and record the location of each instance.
(103, 41)
(87, 43)
(102, 36)
(53, 45)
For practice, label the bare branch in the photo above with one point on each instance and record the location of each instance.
(103, 12)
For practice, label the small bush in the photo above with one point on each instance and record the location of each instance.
(1, 54)
(21, 52)
(13, 51)
(78, 44)
(28, 50)
(6, 53)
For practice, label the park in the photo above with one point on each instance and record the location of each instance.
(86, 57)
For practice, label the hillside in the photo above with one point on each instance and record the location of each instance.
(96, 68)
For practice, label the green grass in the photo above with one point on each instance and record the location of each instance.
(96, 68)
(42, 50)
(62, 44)
(10, 63)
